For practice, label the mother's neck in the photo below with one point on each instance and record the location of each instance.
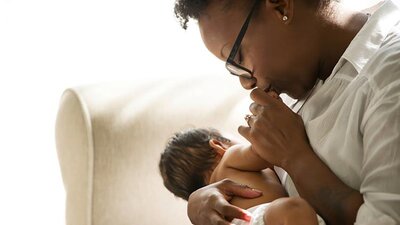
(338, 28)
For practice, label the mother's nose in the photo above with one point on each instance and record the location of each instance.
(248, 83)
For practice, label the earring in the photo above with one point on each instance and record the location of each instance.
(285, 18)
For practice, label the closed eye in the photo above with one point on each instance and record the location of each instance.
(239, 57)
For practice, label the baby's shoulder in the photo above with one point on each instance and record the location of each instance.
(222, 172)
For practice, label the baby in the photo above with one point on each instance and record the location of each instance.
(197, 157)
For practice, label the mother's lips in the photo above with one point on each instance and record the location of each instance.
(270, 88)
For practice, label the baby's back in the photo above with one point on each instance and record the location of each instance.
(265, 181)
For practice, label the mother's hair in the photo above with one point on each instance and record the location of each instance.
(191, 9)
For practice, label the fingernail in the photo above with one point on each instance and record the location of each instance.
(247, 216)
(256, 190)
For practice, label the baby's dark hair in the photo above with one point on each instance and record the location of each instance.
(187, 158)
(191, 9)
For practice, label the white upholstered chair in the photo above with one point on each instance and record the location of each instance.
(109, 137)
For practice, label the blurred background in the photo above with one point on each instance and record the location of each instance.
(47, 46)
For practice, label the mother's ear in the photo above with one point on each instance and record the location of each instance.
(283, 9)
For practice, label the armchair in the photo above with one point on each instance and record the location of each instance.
(109, 138)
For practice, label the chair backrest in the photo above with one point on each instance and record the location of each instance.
(109, 138)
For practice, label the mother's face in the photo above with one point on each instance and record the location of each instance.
(283, 55)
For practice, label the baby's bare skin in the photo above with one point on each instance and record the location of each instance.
(256, 174)
(240, 164)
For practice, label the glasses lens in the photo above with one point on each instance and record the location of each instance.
(237, 71)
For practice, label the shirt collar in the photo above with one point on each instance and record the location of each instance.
(370, 37)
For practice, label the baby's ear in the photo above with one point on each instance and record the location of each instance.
(218, 146)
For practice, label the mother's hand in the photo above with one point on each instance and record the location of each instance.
(276, 133)
(210, 204)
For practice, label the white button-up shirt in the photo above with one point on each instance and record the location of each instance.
(353, 118)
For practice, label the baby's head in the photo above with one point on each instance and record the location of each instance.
(189, 158)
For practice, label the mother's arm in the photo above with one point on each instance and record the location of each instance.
(278, 135)
(336, 202)
(379, 173)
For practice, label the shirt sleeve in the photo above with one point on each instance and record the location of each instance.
(380, 172)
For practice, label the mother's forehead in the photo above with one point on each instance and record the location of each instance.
(219, 28)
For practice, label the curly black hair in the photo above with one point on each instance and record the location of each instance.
(186, 9)
(191, 9)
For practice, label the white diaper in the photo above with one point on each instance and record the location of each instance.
(257, 218)
(257, 213)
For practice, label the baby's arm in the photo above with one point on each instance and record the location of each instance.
(242, 165)
(242, 157)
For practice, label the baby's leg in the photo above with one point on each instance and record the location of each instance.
(290, 211)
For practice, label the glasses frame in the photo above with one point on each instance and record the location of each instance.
(230, 64)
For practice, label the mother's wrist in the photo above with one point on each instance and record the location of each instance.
(300, 162)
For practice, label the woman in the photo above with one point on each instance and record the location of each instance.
(341, 151)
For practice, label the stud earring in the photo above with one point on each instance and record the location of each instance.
(285, 18)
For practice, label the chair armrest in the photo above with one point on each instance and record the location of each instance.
(109, 138)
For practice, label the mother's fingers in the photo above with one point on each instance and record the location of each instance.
(249, 119)
(231, 211)
(256, 109)
(245, 132)
(217, 219)
(236, 189)
(263, 98)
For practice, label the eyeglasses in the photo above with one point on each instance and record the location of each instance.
(234, 67)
